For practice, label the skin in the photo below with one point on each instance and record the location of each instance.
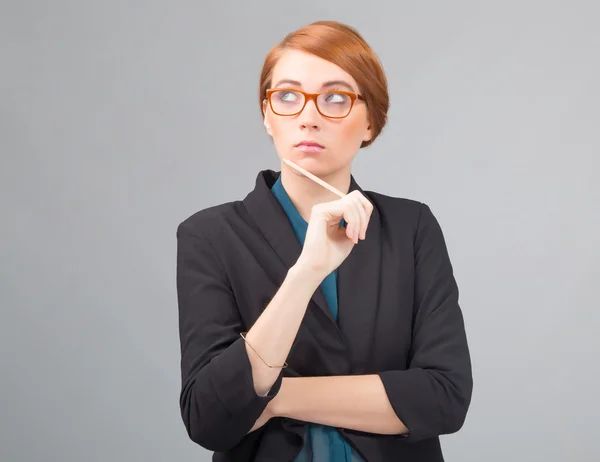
(355, 402)
(340, 137)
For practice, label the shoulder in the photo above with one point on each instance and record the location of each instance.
(208, 222)
(393, 203)
(408, 220)
(400, 211)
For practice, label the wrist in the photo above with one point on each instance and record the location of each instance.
(306, 273)
(277, 405)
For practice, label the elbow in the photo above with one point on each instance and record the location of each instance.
(455, 422)
(219, 404)
(209, 438)
(457, 410)
(206, 423)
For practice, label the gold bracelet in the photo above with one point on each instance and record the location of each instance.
(268, 365)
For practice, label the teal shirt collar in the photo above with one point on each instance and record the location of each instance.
(299, 224)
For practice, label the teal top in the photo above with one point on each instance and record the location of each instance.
(321, 443)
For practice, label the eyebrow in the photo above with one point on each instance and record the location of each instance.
(329, 83)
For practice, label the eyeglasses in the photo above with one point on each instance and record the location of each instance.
(332, 104)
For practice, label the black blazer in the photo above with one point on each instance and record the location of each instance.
(399, 317)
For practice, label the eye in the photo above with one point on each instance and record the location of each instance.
(288, 96)
(336, 98)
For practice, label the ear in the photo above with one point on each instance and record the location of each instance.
(265, 121)
(368, 133)
(267, 126)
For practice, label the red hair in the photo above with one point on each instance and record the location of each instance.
(342, 45)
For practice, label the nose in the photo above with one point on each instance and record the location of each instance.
(310, 118)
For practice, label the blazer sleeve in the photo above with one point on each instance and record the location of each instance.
(431, 397)
(219, 404)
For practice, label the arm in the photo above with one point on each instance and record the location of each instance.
(357, 402)
(223, 382)
(273, 333)
(433, 395)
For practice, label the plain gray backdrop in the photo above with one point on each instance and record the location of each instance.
(120, 119)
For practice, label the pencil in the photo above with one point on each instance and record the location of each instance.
(314, 178)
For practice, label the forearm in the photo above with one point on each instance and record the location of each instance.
(273, 333)
(354, 402)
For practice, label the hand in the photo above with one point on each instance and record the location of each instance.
(327, 244)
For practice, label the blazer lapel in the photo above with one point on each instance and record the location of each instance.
(358, 292)
(269, 216)
(357, 279)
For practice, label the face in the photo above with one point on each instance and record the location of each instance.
(340, 138)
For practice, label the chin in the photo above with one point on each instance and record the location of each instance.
(315, 164)
(311, 159)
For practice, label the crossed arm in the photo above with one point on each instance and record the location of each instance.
(224, 384)
(357, 402)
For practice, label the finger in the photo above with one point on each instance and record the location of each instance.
(333, 210)
(362, 206)
(364, 220)
(356, 220)
(357, 223)
(352, 219)
(353, 223)
(367, 204)
(368, 208)
(361, 219)
(363, 200)
(336, 210)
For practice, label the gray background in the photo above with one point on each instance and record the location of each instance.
(120, 119)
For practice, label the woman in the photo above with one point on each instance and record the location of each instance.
(315, 327)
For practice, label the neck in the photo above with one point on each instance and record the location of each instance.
(305, 193)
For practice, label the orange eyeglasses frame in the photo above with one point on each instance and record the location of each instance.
(313, 96)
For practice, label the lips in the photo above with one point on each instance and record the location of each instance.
(310, 146)
(309, 143)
